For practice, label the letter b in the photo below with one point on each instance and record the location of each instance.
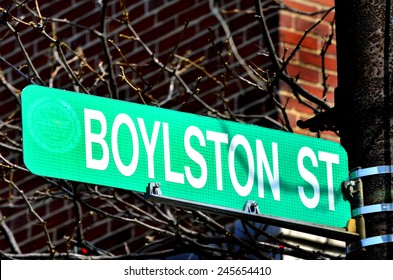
(90, 138)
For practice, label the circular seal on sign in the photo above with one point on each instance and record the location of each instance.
(54, 125)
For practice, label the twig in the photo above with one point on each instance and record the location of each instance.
(66, 66)
(51, 247)
(324, 50)
(131, 85)
(25, 54)
(223, 229)
(276, 64)
(104, 41)
(4, 81)
(284, 6)
(161, 65)
(297, 47)
(9, 236)
(261, 82)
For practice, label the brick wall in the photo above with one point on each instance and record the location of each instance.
(160, 24)
(316, 50)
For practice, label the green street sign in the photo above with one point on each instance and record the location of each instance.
(195, 158)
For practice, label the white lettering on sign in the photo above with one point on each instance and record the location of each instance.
(309, 177)
(238, 152)
(126, 170)
(218, 138)
(240, 140)
(90, 138)
(150, 146)
(195, 156)
(330, 159)
(273, 177)
(170, 176)
(312, 179)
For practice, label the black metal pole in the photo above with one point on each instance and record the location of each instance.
(364, 105)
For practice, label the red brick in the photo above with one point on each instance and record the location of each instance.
(328, 18)
(80, 9)
(332, 81)
(193, 14)
(57, 7)
(310, 58)
(294, 39)
(304, 73)
(143, 24)
(330, 63)
(91, 21)
(249, 49)
(286, 20)
(246, 4)
(239, 21)
(95, 229)
(304, 24)
(249, 97)
(304, 6)
(171, 10)
(328, 3)
(160, 29)
(155, 4)
(206, 23)
(313, 89)
(332, 49)
(301, 108)
(169, 43)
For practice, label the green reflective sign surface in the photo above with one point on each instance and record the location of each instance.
(125, 145)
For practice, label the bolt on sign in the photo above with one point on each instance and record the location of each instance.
(201, 159)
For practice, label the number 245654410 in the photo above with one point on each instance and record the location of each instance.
(233, 270)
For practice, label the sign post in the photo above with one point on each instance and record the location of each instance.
(197, 159)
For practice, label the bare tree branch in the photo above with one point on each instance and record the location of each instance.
(277, 65)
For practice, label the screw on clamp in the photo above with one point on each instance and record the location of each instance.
(251, 207)
(153, 189)
(352, 191)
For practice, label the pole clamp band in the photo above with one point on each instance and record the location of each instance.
(375, 240)
(375, 208)
(376, 170)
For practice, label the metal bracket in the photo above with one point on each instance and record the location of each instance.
(250, 212)
(353, 192)
(375, 240)
(153, 189)
(251, 207)
(375, 170)
(375, 208)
